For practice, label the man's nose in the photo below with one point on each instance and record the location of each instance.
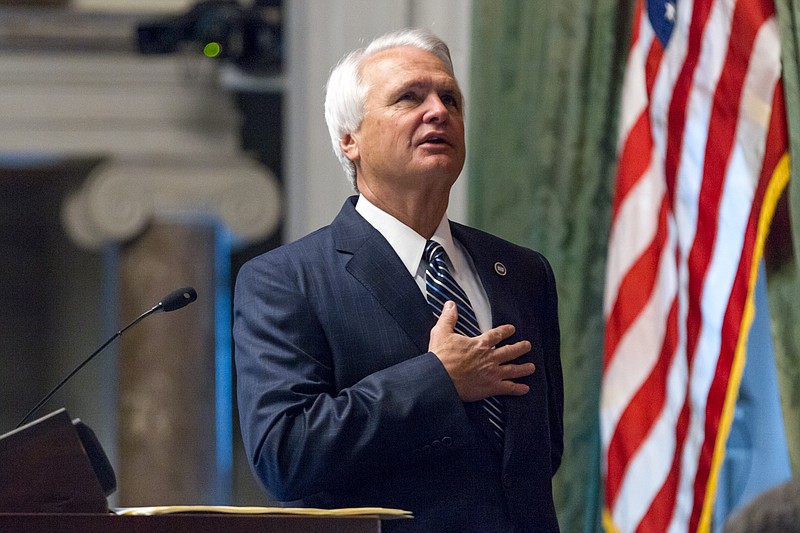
(435, 110)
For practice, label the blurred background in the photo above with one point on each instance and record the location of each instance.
(150, 145)
(147, 146)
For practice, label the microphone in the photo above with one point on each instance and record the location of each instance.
(171, 302)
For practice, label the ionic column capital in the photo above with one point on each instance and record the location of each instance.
(121, 196)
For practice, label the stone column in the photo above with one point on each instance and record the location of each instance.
(166, 404)
(168, 216)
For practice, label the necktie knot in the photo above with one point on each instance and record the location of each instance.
(434, 252)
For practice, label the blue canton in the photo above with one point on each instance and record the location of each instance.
(662, 15)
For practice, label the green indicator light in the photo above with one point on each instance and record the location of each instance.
(212, 49)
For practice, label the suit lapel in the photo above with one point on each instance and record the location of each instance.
(489, 263)
(377, 267)
(501, 282)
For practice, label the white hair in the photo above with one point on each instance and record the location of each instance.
(346, 93)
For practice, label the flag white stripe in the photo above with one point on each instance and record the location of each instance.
(634, 230)
(649, 468)
(639, 349)
(646, 471)
(734, 211)
(689, 178)
(716, 291)
(633, 86)
(695, 135)
(668, 71)
(755, 108)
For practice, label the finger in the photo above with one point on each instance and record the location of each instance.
(517, 371)
(497, 335)
(512, 388)
(509, 352)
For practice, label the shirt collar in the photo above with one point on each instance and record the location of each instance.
(407, 243)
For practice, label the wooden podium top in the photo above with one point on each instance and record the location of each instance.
(184, 523)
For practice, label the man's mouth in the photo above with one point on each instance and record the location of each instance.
(433, 139)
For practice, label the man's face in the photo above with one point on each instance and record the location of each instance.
(412, 135)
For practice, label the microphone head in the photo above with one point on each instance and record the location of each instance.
(177, 299)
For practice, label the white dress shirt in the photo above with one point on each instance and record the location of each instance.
(410, 245)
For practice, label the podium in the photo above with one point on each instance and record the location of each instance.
(54, 465)
(54, 476)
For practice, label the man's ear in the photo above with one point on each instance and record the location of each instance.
(349, 147)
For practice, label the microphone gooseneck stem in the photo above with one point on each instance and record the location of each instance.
(85, 361)
(136, 321)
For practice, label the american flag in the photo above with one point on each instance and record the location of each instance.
(702, 163)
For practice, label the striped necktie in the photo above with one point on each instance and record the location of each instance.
(441, 287)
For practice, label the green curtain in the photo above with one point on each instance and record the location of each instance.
(784, 280)
(545, 92)
(542, 120)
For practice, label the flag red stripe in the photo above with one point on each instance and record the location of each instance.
(778, 136)
(663, 506)
(636, 287)
(634, 160)
(652, 64)
(643, 410)
(747, 20)
(635, 154)
(775, 146)
(721, 137)
(666, 498)
(717, 391)
(676, 121)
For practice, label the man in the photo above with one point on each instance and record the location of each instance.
(351, 392)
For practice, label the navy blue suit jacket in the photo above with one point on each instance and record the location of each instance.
(342, 405)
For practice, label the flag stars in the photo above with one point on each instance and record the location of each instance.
(669, 11)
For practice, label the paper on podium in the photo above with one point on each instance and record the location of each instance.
(381, 513)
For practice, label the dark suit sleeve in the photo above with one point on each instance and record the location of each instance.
(302, 434)
(552, 351)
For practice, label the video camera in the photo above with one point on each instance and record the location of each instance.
(250, 37)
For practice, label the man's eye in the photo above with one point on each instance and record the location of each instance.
(450, 100)
(407, 97)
